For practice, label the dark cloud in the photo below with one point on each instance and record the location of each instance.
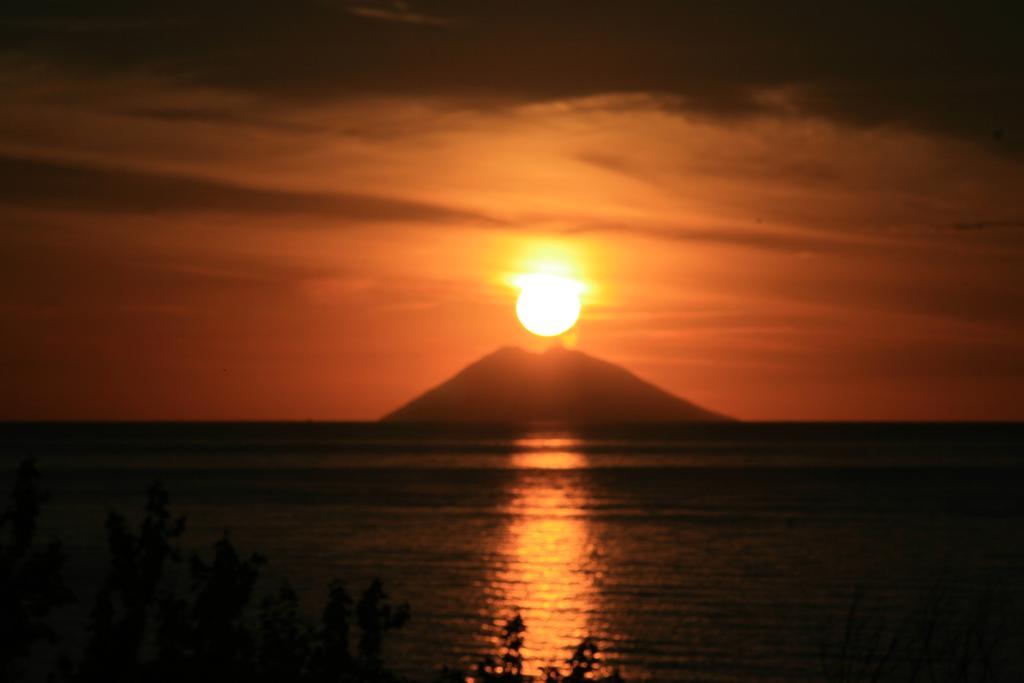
(38, 184)
(950, 67)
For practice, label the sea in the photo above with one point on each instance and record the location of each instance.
(706, 552)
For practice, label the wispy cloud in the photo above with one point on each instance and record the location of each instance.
(400, 12)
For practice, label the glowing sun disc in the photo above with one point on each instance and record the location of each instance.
(548, 305)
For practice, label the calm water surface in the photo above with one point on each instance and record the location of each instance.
(713, 553)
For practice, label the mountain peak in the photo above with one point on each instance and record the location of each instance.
(513, 385)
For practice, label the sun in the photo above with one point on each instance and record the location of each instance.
(548, 305)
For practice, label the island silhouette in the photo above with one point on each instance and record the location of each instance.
(512, 385)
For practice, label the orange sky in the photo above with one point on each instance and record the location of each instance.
(188, 250)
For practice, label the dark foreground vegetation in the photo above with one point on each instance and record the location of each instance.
(144, 629)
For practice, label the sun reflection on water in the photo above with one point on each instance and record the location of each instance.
(547, 567)
(548, 453)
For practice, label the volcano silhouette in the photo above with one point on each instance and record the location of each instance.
(516, 386)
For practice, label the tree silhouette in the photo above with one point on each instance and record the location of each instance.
(330, 656)
(125, 603)
(31, 581)
(376, 617)
(284, 645)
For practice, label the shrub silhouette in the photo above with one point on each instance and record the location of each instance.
(583, 665)
(941, 640)
(508, 666)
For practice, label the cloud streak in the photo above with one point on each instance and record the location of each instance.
(723, 235)
(36, 184)
(972, 226)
